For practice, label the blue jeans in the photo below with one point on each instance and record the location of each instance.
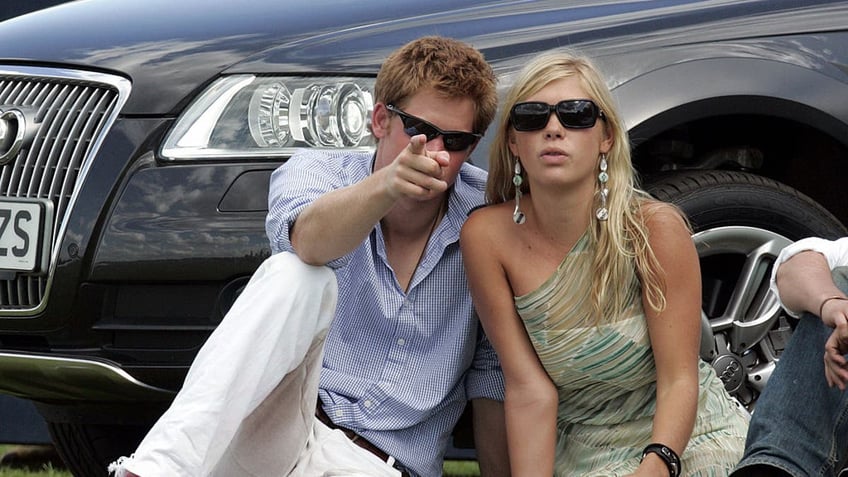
(800, 425)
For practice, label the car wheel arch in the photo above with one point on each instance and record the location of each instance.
(665, 104)
(667, 96)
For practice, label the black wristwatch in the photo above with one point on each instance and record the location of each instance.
(672, 461)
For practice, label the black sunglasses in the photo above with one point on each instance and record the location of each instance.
(572, 113)
(454, 140)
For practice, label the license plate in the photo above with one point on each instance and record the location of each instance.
(25, 229)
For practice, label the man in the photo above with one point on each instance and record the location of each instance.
(403, 350)
(800, 425)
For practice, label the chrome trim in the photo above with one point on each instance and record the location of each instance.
(68, 193)
(12, 121)
(42, 377)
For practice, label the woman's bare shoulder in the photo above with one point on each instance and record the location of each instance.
(483, 225)
(482, 217)
(659, 215)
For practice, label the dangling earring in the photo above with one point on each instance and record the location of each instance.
(603, 213)
(517, 215)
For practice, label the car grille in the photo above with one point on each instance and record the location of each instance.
(70, 112)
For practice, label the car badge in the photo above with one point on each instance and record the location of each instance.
(15, 133)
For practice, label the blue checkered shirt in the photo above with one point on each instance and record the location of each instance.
(398, 367)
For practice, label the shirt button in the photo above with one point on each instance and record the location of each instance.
(401, 341)
(339, 413)
(367, 403)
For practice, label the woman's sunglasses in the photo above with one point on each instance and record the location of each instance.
(572, 113)
(454, 140)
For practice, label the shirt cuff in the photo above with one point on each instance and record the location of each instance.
(486, 384)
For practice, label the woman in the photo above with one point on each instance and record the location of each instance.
(590, 292)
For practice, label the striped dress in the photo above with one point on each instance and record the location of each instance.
(606, 378)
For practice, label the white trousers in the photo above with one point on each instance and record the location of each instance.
(247, 407)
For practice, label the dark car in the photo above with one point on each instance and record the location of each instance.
(21, 422)
(137, 138)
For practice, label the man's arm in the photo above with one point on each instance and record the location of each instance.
(490, 437)
(337, 222)
(805, 283)
(833, 252)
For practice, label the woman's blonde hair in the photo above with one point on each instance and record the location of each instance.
(622, 239)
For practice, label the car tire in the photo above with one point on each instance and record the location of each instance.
(721, 198)
(740, 222)
(87, 450)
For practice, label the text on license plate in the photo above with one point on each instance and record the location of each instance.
(23, 245)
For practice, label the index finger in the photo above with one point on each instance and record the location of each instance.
(416, 144)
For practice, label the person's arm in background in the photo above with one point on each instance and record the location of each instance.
(808, 278)
(804, 284)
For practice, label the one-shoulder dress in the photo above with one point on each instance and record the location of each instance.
(606, 378)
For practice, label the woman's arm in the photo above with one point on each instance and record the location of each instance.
(530, 403)
(674, 333)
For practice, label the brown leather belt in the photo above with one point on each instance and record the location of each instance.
(353, 436)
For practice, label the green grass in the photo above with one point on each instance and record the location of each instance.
(47, 471)
(457, 468)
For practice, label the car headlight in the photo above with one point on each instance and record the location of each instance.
(253, 116)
